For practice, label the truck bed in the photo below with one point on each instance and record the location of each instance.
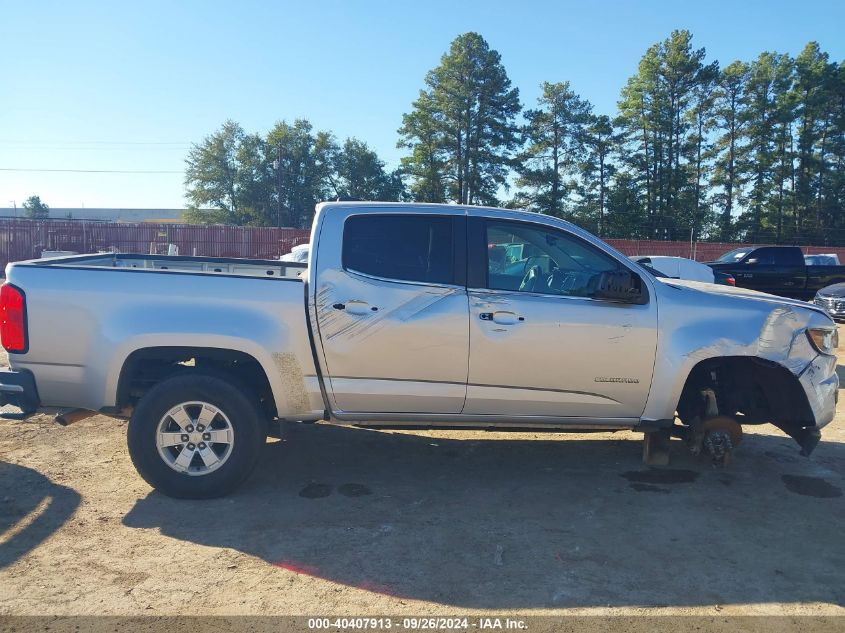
(179, 264)
(87, 314)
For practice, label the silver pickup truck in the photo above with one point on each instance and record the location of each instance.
(407, 315)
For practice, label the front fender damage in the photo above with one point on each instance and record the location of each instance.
(772, 374)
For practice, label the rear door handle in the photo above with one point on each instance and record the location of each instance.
(355, 307)
(502, 317)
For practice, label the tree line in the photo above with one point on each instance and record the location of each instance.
(751, 151)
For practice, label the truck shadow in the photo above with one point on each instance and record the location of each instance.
(31, 509)
(531, 524)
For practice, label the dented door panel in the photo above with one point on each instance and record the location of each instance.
(389, 346)
(406, 353)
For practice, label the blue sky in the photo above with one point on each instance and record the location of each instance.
(128, 86)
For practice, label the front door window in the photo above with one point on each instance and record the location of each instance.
(526, 258)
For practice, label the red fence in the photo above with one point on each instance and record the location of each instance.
(26, 239)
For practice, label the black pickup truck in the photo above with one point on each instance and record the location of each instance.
(778, 270)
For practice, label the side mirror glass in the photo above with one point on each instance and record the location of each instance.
(621, 285)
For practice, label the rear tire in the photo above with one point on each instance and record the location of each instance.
(196, 436)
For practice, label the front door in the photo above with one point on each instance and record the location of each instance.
(540, 344)
(392, 312)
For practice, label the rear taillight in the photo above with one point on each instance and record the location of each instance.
(730, 281)
(12, 319)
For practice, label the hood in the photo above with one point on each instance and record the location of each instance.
(721, 265)
(744, 293)
(836, 290)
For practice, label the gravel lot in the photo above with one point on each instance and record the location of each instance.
(349, 521)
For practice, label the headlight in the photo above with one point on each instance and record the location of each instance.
(825, 340)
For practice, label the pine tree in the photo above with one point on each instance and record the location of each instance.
(597, 170)
(462, 130)
(729, 119)
(698, 149)
(814, 79)
(422, 133)
(769, 79)
(655, 116)
(555, 138)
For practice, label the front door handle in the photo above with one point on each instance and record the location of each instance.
(502, 317)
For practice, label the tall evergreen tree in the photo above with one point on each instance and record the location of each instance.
(814, 79)
(834, 174)
(555, 146)
(682, 73)
(640, 108)
(769, 79)
(597, 170)
(422, 133)
(655, 115)
(728, 118)
(698, 149)
(462, 130)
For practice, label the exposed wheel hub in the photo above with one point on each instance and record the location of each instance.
(721, 435)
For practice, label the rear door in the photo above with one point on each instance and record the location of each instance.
(540, 343)
(392, 313)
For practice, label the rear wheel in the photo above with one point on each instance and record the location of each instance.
(196, 436)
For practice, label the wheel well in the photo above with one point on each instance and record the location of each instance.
(754, 390)
(146, 367)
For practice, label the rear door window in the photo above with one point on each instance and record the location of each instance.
(415, 248)
(787, 257)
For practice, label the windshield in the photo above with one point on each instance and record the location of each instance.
(734, 255)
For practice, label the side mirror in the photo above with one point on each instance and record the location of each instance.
(621, 285)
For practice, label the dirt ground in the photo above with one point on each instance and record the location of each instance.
(348, 521)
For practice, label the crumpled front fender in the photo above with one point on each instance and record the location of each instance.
(700, 326)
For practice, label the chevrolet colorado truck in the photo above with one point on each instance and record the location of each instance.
(778, 270)
(406, 315)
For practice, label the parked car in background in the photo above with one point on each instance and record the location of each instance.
(778, 270)
(678, 267)
(822, 259)
(298, 254)
(832, 300)
(683, 268)
(726, 279)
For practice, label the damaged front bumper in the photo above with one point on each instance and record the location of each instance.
(785, 339)
(821, 384)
